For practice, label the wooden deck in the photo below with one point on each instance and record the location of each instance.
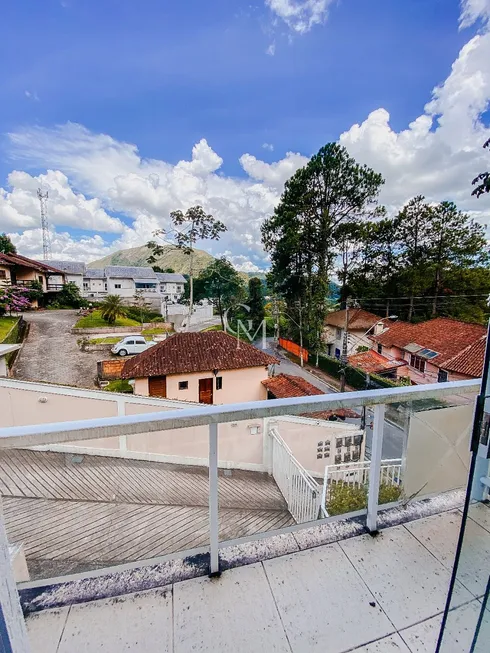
(74, 516)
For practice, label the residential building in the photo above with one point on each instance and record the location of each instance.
(22, 271)
(360, 325)
(372, 362)
(442, 349)
(126, 281)
(343, 448)
(73, 272)
(171, 285)
(209, 367)
(94, 284)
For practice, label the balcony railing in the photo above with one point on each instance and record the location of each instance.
(55, 287)
(420, 418)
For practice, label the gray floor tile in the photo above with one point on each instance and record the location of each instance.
(45, 629)
(136, 622)
(392, 644)
(235, 612)
(407, 580)
(323, 603)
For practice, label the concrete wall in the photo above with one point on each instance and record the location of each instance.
(238, 385)
(304, 435)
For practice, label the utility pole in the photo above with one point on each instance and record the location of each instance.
(344, 357)
(300, 333)
(43, 200)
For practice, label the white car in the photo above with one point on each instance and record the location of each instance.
(131, 345)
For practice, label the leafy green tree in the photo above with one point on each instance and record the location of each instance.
(222, 285)
(70, 296)
(157, 268)
(255, 302)
(482, 182)
(111, 308)
(187, 229)
(301, 236)
(6, 245)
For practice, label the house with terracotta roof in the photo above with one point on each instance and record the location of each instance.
(19, 270)
(442, 349)
(372, 362)
(209, 367)
(360, 325)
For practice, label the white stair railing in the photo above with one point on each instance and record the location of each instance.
(301, 492)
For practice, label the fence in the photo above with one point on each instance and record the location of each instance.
(357, 474)
(293, 348)
(301, 491)
(354, 376)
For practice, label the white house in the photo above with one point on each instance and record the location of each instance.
(94, 284)
(125, 280)
(74, 272)
(361, 325)
(171, 285)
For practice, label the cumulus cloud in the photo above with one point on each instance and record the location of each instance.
(268, 146)
(63, 245)
(301, 15)
(441, 150)
(146, 190)
(472, 10)
(19, 206)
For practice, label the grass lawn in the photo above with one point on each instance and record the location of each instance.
(104, 341)
(6, 323)
(95, 320)
(156, 331)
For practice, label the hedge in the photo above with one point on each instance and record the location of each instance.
(354, 376)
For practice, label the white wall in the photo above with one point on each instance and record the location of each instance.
(127, 288)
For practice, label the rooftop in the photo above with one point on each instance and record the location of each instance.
(170, 277)
(94, 273)
(70, 267)
(130, 271)
(356, 594)
(470, 361)
(358, 319)
(372, 362)
(443, 335)
(17, 259)
(196, 352)
(287, 385)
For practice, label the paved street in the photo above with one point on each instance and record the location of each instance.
(51, 353)
(393, 434)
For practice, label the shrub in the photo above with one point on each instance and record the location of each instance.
(119, 385)
(348, 497)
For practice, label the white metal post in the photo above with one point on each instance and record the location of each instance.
(13, 633)
(374, 471)
(213, 501)
(323, 504)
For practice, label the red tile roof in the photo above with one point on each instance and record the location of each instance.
(283, 386)
(195, 352)
(372, 362)
(469, 362)
(17, 259)
(358, 319)
(443, 335)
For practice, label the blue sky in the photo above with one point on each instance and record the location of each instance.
(241, 75)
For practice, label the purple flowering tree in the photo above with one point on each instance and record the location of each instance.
(13, 299)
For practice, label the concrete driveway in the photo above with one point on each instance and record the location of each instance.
(51, 353)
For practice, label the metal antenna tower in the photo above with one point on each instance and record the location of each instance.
(43, 200)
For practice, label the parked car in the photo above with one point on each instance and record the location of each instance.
(131, 345)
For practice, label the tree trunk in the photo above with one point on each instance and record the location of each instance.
(436, 291)
(191, 289)
(220, 311)
(410, 308)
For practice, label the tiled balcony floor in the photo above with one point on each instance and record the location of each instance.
(369, 595)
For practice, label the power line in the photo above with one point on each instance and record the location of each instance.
(420, 297)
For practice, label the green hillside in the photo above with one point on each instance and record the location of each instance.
(171, 258)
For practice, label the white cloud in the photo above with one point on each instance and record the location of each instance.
(19, 207)
(32, 95)
(441, 151)
(472, 10)
(268, 146)
(300, 15)
(241, 263)
(63, 246)
(147, 190)
(271, 50)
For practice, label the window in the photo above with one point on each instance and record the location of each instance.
(3, 274)
(338, 333)
(347, 457)
(357, 440)
(85, 285)
(380, 348)
(417, 363)
(40, 279)
(129, 342)
(339, 442)
(117, 285)
(183, 385)
(219, 382)
(140, 342)
(338, 459)
(442, 376)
